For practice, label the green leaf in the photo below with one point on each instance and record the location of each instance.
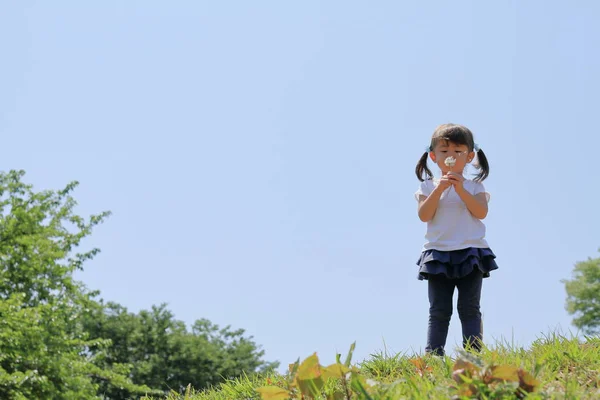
(58, 340)
(359, 385)
(583, 292)
(349, 356)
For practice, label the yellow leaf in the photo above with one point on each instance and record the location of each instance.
(464, 365)
(505, 373)
(466, 391)
(335, 371)
(421, 365)
(463, 369)
(458, 374)
(293, 367)
(527, 382)
(310, 368)
(273, 393)
(311, 387)
(336, 396)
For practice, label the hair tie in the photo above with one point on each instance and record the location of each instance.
(476, 147)
(427, 149)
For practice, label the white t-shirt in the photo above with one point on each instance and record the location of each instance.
(453, 227)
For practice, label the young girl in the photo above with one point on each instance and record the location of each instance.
(455, 254)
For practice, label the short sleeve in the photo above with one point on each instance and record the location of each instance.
(425, 189)
(479, 188)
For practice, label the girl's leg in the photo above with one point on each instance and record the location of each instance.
(441, 290)
(469, 296)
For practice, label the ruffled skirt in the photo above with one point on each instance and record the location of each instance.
(456, 264)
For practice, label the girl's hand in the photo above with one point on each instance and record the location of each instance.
(445, 183)
(456, 180)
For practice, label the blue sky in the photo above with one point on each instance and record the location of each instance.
(258, 156)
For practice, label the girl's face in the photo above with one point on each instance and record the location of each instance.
(445, 149)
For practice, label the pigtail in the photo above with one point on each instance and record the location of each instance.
(422, 168)
(483, 165)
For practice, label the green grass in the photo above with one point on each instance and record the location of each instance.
(565, 368)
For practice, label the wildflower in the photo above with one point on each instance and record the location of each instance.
(450, 161)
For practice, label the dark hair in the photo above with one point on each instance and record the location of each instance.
(456, 134)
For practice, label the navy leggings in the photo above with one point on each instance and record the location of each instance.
(441, 290)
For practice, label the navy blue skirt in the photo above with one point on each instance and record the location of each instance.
(456, 264)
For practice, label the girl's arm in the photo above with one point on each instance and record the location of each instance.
(477, 204)
(429, 204)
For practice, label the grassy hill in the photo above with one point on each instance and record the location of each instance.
(554, 367)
